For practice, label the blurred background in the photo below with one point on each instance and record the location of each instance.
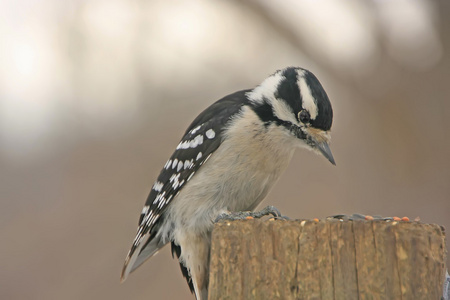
(95, 95)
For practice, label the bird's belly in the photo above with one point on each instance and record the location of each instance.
(237, 182)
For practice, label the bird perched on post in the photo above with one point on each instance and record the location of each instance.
(227, 161)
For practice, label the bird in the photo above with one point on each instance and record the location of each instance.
(228, 159)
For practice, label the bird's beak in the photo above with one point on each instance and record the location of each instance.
(326, 151)
(317, 139)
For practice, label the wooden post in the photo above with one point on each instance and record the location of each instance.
(331, 259)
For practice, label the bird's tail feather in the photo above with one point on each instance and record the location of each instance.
(138, 254)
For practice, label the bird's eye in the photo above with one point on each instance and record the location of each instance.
(303, 116)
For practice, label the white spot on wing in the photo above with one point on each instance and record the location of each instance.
(172, 177)
(158, 186)
(162, 202)
(168, 163)
(183, 145)
(193, 131)
(210, 134)
(199, 155)
(145, 209)
(174, 180)
(147, 217)
(174, 164)
(198, 140)
(180, 165)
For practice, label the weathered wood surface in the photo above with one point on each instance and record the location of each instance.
(332, 259)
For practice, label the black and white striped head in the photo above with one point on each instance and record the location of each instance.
(294, 100)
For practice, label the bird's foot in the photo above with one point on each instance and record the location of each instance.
(242, 215)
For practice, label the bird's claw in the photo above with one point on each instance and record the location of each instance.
(242, 215)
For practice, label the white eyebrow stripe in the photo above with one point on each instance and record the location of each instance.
(308, 101)
(265, 89)
(283, 111)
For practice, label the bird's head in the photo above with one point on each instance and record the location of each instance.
(294, 100)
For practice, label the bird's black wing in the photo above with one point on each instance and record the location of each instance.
(200, 140)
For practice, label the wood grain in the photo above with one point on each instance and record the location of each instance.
(329, 259)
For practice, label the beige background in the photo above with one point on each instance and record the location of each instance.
(94, 96)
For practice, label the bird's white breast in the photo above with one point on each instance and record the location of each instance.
(236, 177)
